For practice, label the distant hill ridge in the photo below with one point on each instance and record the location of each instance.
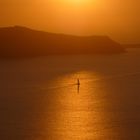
(131, 46)
(21, 42)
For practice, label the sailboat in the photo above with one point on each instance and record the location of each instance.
(78, 82)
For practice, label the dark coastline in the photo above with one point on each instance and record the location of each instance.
(16, 42)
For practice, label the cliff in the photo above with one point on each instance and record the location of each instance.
(23, 42)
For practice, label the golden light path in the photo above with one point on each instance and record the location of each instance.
(76, 115)
(74, 121)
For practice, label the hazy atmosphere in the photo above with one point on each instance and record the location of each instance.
(118, 19)
(69, 69)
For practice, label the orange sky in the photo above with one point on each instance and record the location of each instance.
(120, 19)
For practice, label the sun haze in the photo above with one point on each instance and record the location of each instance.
(118, 19)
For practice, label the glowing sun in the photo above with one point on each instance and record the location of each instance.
(79, 1)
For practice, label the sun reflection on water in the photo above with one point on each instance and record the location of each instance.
(76, 114)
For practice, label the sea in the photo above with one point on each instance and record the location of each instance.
(41, 100)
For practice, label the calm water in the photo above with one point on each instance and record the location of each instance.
(39, 98)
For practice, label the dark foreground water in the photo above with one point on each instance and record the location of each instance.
(39, 98)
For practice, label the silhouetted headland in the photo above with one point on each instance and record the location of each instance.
(131, 46)
(24, 42)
